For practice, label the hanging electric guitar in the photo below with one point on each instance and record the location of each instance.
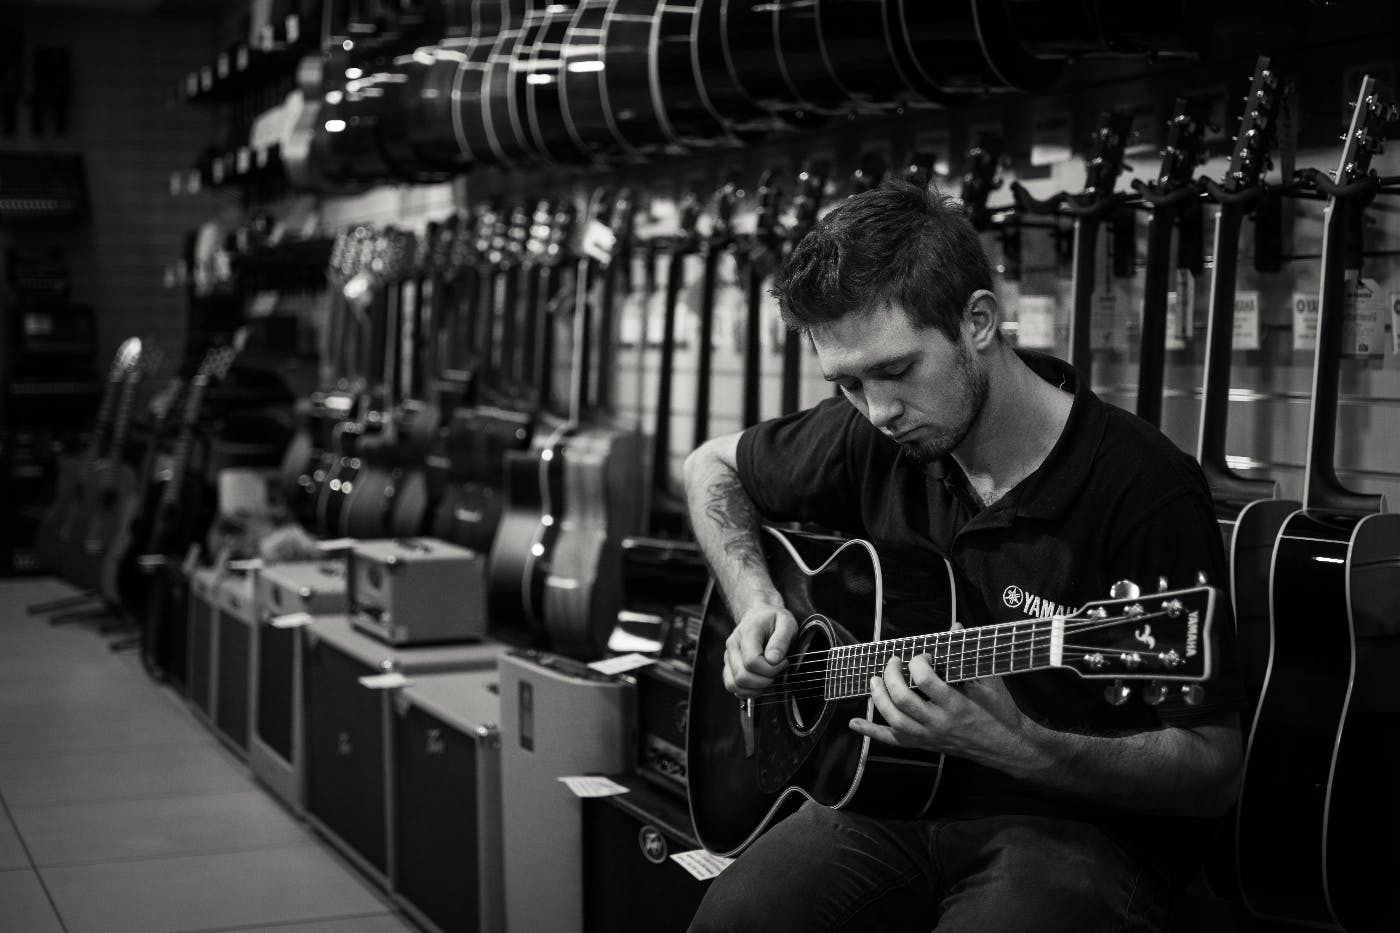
(745, 758)
(57, 528)
(1322, 752)
(1175, 202)
(1089, 209)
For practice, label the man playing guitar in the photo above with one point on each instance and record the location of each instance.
(1063, 805)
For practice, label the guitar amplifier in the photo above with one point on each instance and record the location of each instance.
(559, 718)
(347, 724)
(417, 591)
(447, 802)
(663, 703)
(199, 668)
(287, 596)
(631, 882)
(232, 640)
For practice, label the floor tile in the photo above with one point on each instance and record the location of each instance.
(12, 854)
(208, 892)
(63, 834)
(63, 726)
(379, 923)
(205, 768)
(24, 905)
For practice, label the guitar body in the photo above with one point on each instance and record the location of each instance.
(112, 483)
(802, 747)
(340, 479)
(544, 109)
(523, 550)
(472, 507)
(1325, 747)
(722, 95)
(583, 590)
(125, 523)
(369, 505)
(628, 103)
(680, 103)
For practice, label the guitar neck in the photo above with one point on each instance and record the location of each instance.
(1226, 485)
(661, 438)
(1152, 356)
(1086, 241)
(1321, 487)
(963, 654)
(706, 350)
(753, 340)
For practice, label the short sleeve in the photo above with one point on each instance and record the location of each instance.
(798, 468)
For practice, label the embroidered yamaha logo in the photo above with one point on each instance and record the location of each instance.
(1013, 596)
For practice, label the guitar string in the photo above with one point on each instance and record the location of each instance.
(869, 667)
(1041, 630)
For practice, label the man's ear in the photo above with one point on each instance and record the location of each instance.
(982, 319)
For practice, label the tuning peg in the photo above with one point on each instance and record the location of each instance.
(1154, 693)
(1124, 589)
(1117, 693)
(1193, 694)
(1161, 584)
(1201, 578)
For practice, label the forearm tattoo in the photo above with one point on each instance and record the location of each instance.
(728, 506)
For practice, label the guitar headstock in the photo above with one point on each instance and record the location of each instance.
(489, 225)
(806, 203)
(508, 246)
(917, 168)
(1185, 146)
(1365, 134)
(1105, 162)
(1164, 636)
(624, 215)
(722, 212)
(127, 358)
(561, 232)
(688, 221)
(459, 255)
(979, 180)
(869, 172)
(766, 199)
(1249, 159)
(541, 230)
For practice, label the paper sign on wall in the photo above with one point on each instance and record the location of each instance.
(1361, 319)
(1037, 322)
(1246, 334)
(1176, 329)
(1107, 330)
(1304, 321)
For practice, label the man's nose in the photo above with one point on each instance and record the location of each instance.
(885, 409)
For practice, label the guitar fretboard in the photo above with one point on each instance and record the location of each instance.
(965, 654)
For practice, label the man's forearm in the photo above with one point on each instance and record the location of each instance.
(727, 528)
(1182, 772)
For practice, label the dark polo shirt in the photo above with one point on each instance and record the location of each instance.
(1114, 500)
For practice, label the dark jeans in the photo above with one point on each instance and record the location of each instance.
(823, 869)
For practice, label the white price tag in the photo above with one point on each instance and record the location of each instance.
(1246, 333)
(591, 786)
(1186, 296)
(1304, 321)
(702, 865)
(1037, 322)
(1362, 322)
(385, 681)
(291, 620)
(337, 544)
(1106, 330)
(599, 242)
(1176, 337)
(621, 663)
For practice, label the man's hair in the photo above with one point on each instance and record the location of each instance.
(896, 244)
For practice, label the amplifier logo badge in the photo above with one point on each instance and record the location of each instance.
(653, 844)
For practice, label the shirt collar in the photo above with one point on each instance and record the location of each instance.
(1056, 483)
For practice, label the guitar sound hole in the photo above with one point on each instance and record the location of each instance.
(804, 683)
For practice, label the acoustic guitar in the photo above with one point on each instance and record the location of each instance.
(745, 759)
(1323, 749)
(57, 527)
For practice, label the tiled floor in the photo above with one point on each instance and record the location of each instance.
(120, 812)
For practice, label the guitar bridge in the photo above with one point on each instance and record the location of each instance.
(746, 726)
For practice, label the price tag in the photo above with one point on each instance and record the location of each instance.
(1186, 296)
(192, 84)
(243, 162)
(1176, 336)
(293, 28)
(223, 64)
(1246, 333)
(206, 78)
(1362, 320)
(702, 865)
(599, 242)
(291, 620)
(337, 544)
(1106, 330)
(264, 303)
(1037, 322)
(621, 663)
(388, 681)
(591, 786)
(1304, 321)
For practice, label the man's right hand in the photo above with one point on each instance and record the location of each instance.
(756, 651)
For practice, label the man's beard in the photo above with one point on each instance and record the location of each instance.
(974, 384)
